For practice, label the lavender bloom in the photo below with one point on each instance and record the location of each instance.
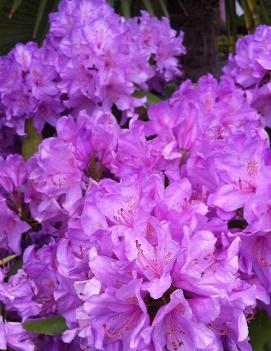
(250, 67)
(91, 57)
(12, 228)
(143, 236)
(13, 335)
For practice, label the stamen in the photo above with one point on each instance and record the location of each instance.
(144, 261)
(246, 186)
(114, 334)
(171, 333)
(252, 168)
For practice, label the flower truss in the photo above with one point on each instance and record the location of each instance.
(148, 233)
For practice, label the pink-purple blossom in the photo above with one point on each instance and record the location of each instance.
(144, 232)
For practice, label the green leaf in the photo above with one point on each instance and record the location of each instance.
(149, 7)
(126, 8)
(259, 331)
(4, 261)
(14, 268)
(264, 12)
(15, 6)
(40, 14)
(151, 98)
(169, 90)
(164, 7)
(51, 326)
(31, 142)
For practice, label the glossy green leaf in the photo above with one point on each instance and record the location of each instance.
(51, 326)
(15, 6)
(31, 141)
(40, 14)
(260, 331)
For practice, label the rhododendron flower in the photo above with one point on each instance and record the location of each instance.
(91, 57)
(249, 67)
(13, 335)
(117, 316)
(12, 228)
(146, 228)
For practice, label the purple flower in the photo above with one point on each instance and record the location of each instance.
(243, 173)
(145, 229)
(173, 327)
(13, 335)
(12, 228)
(250, 67)
(118, 316)
(12, 173)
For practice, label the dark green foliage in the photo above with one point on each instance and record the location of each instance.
(260, 332)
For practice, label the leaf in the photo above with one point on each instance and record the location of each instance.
(15, 6)
(149, 7)
(40, 14)
(183, 7)
(169, 90)
(51, 326)
(252, 5)
(151, 98)
(164, 7)
(14, 268)
(6, 260)
(31, 142)
(231, 20)
(126, 8)
(264, 11)
(259, 330)
(249, 20)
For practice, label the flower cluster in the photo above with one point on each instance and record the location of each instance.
(150, 235)
(250, 68)
(91, 57)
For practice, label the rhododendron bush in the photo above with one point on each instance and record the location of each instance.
(136, 224)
